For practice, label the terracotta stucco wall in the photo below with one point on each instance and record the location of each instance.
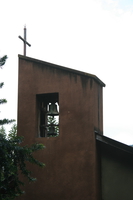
(71, 159)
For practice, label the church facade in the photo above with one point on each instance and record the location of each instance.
(62, 108)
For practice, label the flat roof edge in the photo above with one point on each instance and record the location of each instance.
(113, 143)
(63, 68)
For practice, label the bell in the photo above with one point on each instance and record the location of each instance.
(53, 110)
(51, 131)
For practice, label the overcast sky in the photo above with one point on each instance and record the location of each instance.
(95, 36)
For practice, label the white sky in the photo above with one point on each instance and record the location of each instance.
(95, 36)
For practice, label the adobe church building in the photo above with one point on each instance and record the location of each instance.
(62, 108)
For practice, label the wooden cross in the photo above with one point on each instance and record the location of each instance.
(24, 40)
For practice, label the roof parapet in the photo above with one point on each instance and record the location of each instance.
(64, 68)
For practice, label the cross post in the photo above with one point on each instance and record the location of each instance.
(24, 40)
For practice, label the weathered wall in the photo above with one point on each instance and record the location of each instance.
(71, 160)
(117, 176)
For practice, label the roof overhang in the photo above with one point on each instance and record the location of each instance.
(113, 146)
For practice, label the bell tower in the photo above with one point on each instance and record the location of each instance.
(60, 108)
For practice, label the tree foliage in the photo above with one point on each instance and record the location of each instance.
(54, 122)
(4, 121)
(13, 159)
(3, 60)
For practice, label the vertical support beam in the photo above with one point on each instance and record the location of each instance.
(24, 40)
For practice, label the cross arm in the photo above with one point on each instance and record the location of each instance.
(24, 41)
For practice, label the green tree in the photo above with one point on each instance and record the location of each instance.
(54, 122)
(14, 157)
(4, 121)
